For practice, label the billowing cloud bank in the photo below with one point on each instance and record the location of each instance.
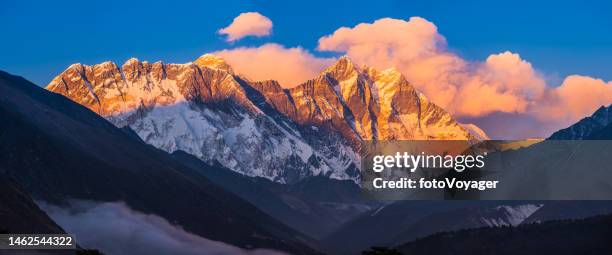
(247, 24)
(504, 83)
(115, 229)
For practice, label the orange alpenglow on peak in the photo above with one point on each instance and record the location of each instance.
(212, 61)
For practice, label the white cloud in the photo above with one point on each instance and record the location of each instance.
(247, 24)
(577, 97)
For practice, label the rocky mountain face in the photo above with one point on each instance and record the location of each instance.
(258, 128)
(588, 128)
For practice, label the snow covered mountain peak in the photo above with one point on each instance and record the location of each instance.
(344, 66)
(214, 62)
(131, 61)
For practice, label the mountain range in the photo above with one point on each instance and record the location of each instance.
(258, 128)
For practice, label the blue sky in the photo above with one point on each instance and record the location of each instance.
(41, 38)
